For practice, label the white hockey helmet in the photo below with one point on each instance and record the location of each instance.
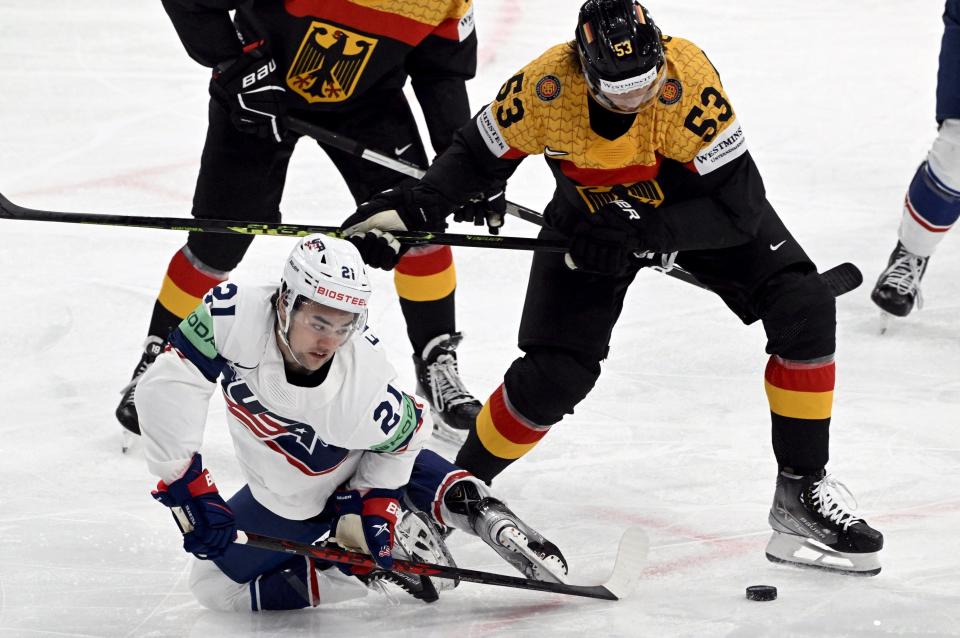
(328, 271)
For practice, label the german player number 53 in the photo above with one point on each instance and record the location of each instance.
(507, 116)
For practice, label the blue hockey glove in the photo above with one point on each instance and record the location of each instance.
(205, 520)
(367, 522)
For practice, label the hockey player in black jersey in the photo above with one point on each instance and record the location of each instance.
(340, 65)
(649, 159)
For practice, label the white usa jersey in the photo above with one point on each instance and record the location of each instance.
(295, 445)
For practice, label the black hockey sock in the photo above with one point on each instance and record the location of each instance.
(426, 282)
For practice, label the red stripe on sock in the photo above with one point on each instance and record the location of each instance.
(431, 261)
(187, 278)
(933, 228)
(509, 425)
(800, 377)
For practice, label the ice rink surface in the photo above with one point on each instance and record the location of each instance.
(102, 111)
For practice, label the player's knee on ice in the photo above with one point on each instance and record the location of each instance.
(799, 315)
(214, 590)
(295, 585)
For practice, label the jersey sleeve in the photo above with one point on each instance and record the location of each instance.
(439, 68)
(174, 393)
(701, 135)
(401, 425)
(702, 131)
(205, 29)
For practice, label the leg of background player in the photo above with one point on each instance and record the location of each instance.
(241, 177)
(425, 278)
(932, 204)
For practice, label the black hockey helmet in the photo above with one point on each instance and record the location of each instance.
(621, 54)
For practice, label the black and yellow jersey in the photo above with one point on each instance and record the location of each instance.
(337, 54)
(686, 144)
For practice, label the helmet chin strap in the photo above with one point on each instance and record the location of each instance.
(283, 333)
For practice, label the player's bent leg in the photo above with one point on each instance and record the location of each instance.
(811, 522)
(538, 389)
(296, 584)
(187, 279)
(930, 209)
(456, 499)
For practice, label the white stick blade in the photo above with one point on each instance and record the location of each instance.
(631, 556)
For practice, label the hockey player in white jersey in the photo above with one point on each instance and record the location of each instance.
(325, 439)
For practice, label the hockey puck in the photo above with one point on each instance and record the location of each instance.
(761, 592)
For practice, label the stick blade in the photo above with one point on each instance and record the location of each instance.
(842, 278)
(634, 546)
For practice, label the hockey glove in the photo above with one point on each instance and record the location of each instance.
(251, 91)
(605, 241)
(366, 523)
(205, 520)
(401, 208)
(488, 207)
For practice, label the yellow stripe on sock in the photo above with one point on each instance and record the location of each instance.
(494, 442)
(175, 300)
(799, 405)
(426, 288)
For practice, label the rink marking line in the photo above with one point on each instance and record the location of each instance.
(724, 547)
(524, 613)
(166, 596)
(133, 179)
(508, 16)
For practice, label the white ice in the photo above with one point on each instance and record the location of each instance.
(102, 111)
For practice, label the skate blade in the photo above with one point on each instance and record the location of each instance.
(886, 320)
(127, 440)
(516, 541)
(804, 552)
(443, 432)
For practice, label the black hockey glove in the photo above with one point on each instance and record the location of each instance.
(400, 208)
(604, 243)
(250, 89)
(488, 207)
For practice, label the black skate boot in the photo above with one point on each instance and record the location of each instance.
(127, 411)
(417, 539)
(811, 528)
(454, 409)
(898, 287)
(468, 501)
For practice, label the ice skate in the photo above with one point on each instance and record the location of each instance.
(126, 412)
(812, 528)
(898, 288)
(467, 501)
(454, 409)
(416, 539)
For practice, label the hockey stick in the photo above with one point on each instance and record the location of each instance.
(357, 149)
(630, 555)
(841, 279)
(10, 210)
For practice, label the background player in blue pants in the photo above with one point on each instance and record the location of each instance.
(932, 203)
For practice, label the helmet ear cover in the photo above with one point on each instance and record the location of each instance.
(620, 52)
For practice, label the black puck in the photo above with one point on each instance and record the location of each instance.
(761, 592)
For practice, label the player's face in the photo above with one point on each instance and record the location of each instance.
(636, 100)
(317, 331)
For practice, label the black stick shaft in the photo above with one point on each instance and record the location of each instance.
(337, 555)
(10, 210)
